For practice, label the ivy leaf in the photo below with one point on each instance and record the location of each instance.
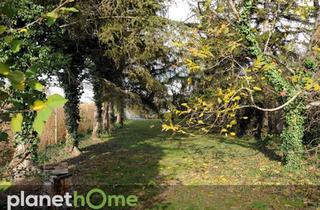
(41, 118)
(16, 46)
(16, 122)
(56, 101)
(4, 69)
(3, 136)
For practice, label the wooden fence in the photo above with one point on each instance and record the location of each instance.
(55, 130)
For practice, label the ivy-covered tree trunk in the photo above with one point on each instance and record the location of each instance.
(292, 135)
(111, 116)
(292, 146)
(71, 84)
(26, 148)
(106, 117)
(98, 122)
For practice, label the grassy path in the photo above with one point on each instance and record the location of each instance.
(219, 172)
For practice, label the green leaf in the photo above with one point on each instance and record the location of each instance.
(56, 101)
(18, 86)
(37, 86)
(4, 185)
(32, 71)
(16, 46)
(16, 122)
(3, 136)
(41, 118)
(17, 79)
(2, 29)
(4, 69)
(51, 18)
(8, 39)
(16, 76)
(69, 10)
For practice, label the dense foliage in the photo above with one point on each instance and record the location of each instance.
(250, 58)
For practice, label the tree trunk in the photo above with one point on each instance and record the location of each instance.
(72, 145)
(72, 88)
(97, 126)
(26, 150)
(120, 114)
(106, 117)
(111, 117)
(316, 33)
(21, 165)
(98, 118)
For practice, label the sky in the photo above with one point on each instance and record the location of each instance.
(178, 10)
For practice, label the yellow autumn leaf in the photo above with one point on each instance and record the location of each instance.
(257, 88)
(237, 98)
(309, 87)
(316, 87)
(224, 130)
(233, 122)
(38, 105)
(24, 30)
(232, 134)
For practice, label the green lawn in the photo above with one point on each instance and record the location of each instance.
(191, 172)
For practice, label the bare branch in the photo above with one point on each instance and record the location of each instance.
(273, 109)
(234, 9)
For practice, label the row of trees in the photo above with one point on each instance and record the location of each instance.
(117, 45)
